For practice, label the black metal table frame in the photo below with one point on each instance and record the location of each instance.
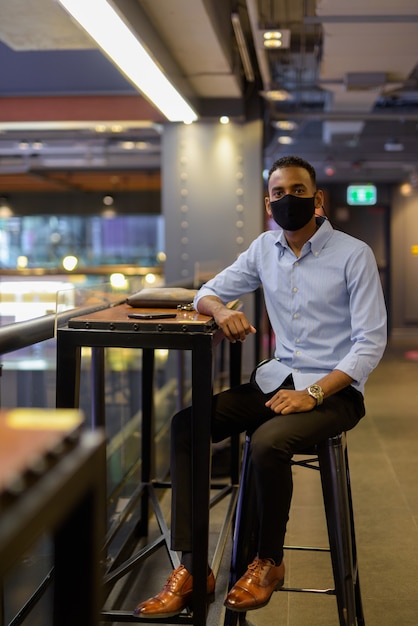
(202, 345)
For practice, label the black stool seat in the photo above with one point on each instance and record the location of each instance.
(331, 459)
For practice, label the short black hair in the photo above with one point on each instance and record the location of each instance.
(293, 161)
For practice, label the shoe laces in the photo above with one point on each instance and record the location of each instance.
(256, 567)
(175, 576)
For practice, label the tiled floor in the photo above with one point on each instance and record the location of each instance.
(384, 472)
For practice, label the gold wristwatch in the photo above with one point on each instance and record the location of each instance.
(316, 392)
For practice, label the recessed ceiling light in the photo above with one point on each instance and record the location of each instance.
(276, 38)
(285, 125)
(272, 41)
(285, 140)
(276, 95)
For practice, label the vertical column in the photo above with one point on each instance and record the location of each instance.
(212, 200)
(212, 194)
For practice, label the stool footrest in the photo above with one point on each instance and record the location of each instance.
(128, 617)
(307, 548)
(326, 592)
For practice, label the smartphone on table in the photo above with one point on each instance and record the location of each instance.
(151, 316)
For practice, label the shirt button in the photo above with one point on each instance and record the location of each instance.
(296, 315)
(316, 253)
(298, 352)
(294, 289)
(297, 340)
(295, 369)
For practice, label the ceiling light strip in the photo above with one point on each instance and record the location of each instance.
(100, 20)
(242, 48)
(263, 65)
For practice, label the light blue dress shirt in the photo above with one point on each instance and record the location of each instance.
(326, 307)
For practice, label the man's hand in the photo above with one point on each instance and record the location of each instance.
(234, 324)
(287, 401)
(291, 401)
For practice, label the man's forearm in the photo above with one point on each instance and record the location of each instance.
(334, 381)
(210, 305)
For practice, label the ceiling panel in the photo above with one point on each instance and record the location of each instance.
(350, 72)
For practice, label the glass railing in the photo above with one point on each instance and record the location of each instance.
(28, 360)
(31, 293)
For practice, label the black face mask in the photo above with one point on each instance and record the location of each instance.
(292, 212)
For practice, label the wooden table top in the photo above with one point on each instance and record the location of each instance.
(116, 317)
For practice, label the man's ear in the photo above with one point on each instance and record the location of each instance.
(319, 199)
(267, 205)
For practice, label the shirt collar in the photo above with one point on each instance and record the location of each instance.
(318, 239)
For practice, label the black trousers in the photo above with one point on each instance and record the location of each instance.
(275, 439)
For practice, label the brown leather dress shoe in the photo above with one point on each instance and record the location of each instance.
(254, 589)
(174, 596)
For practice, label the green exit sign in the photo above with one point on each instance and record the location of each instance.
(361, 195)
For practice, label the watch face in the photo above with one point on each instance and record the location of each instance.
(316, 392)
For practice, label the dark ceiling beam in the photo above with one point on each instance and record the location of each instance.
(215, 107)
(360, 19)
(345, 116)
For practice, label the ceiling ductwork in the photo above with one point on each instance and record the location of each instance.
(343, 87)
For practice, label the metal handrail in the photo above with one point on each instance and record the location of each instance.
(29, 332)
(23, 334)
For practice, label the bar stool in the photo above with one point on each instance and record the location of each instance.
(331, 459)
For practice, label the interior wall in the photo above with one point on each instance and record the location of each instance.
(368, 223)
(365, 222)
(391, 229)
(404, 245)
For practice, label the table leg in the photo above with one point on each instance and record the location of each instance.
(147, 433)
(201, 412)
(98, 417)
(75, 544)
(235, 359)
(68, 372)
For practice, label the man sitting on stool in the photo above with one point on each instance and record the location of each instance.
(325, 304)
